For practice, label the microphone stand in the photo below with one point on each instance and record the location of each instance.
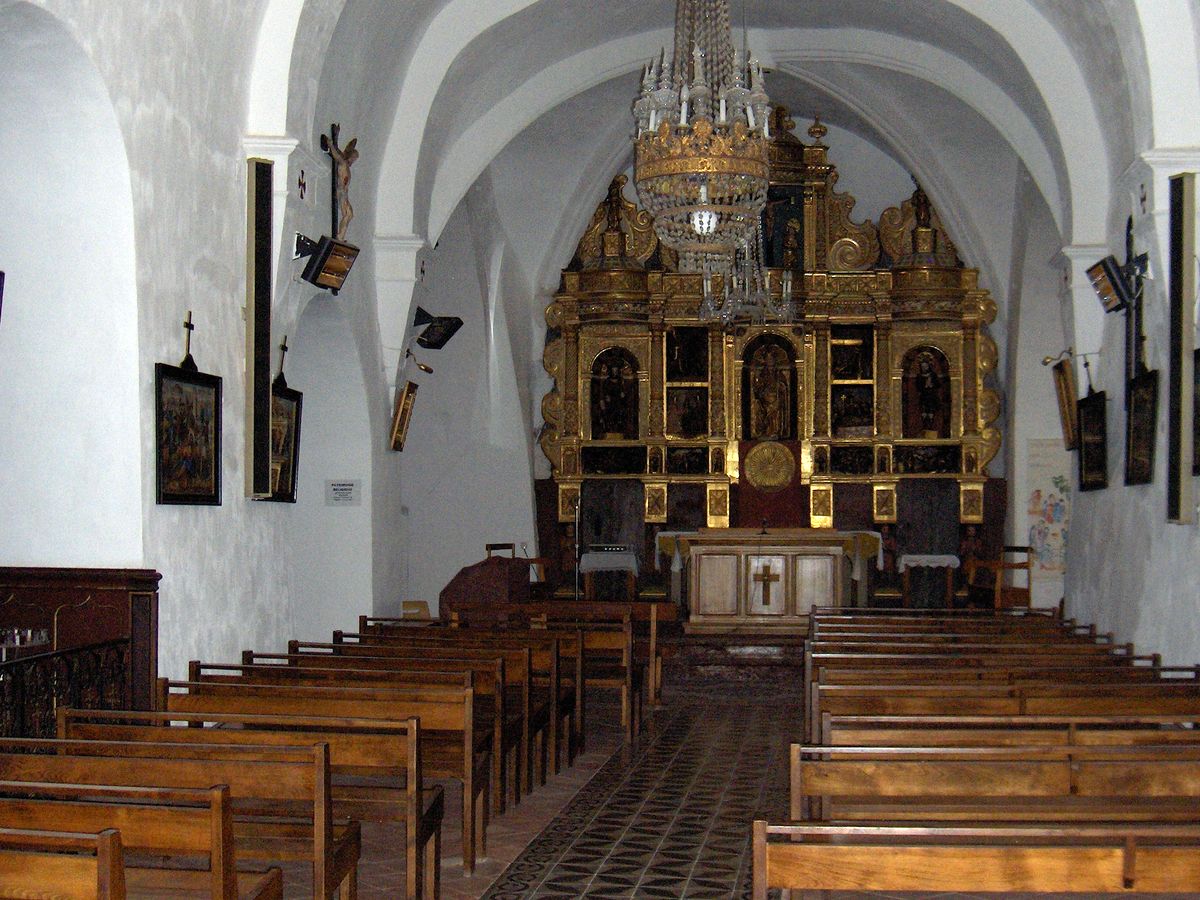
(578, 556)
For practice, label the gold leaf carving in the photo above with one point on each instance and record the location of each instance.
(972, 504)
(989, 355)
(896, 227)
(552, 408)
(552, 358)
(853, 247)
(637, 224)
(991, 446)
(718, 502)
(989, 406)
(822, 503)
(770, 466)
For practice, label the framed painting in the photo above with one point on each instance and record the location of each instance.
(402, 415)
(285, 441)
(187, 407)
(1068, 395)
(1093, 442)
(1141, 422)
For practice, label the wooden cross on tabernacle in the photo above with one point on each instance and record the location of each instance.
(188, 363)
(766, 577)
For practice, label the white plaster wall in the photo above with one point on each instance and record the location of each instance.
(1035, 331)
(70, 447)
(1131, 571)
(872, 176)
(466, 466)
(178, 85)
(330, 545)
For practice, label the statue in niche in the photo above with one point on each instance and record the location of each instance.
(926, 397)
(614, 396)
(771, 393)
(687, 412)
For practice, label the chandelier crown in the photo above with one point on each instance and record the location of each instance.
(701, 154)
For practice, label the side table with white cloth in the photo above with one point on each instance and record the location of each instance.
(909, 561)
(608, 561)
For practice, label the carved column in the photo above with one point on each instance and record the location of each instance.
(970, 380)
(883, 378)
(821, 378)
(571, 417)
(657, 409)
(717, 421)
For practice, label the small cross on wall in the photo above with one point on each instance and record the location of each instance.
(766, 578)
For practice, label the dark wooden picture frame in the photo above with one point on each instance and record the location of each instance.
(187, 414)
(1196, 411)
(286, 406)
(1093, 442)
(1067, 391)
(403, 415)
(1141, 423)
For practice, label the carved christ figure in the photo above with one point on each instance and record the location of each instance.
(343, 159)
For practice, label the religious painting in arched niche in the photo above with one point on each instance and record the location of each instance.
(926, 397)
(768, 390)
(615, 395)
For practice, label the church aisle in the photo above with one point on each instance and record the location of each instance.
(670, 819)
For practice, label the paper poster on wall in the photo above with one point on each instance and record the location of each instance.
(346, 492)
(1048, 508)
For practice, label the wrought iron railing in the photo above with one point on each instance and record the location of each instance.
(34, 687)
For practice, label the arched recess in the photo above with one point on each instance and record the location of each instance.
(331, 544)
(71, 436)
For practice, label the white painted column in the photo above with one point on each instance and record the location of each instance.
(398, 268)
(1082, 314)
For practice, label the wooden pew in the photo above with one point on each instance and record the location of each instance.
(534, 711)
(280, 794)
(451, 745)
(66, 865)
(558, 661)
(1093, 859)
(385, 752)
(163, 822)
(1038, 784)
(1004, 674)
(488, 681)
(646, 617)
(1030, 699)
(991, 731)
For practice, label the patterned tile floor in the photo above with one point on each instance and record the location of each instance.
(671, 818)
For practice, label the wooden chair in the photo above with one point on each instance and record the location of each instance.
(499, 548)
(994, 589)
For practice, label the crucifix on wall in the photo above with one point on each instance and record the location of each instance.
(343, 158)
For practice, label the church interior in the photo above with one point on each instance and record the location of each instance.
(365, 310)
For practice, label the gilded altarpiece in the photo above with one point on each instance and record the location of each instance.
(885, 377)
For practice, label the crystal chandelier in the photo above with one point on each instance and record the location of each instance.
(700, 163)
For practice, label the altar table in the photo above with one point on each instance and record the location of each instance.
(743, 579)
